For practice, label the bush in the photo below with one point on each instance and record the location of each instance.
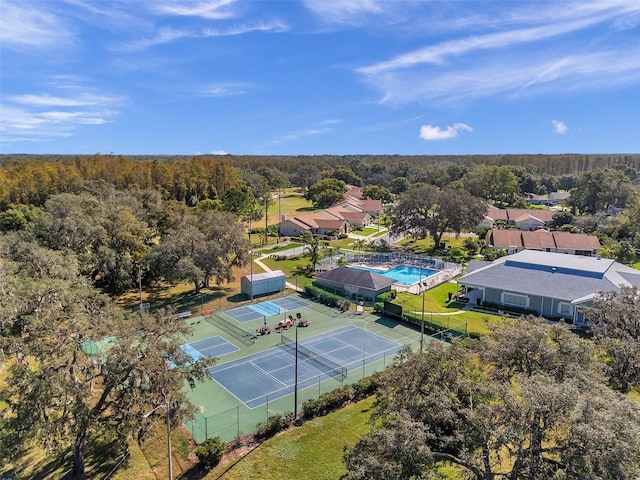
(337, 398)
(210, 452)
(328, 298)
(274, 424)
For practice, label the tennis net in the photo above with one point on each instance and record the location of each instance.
(233, 330)
(318, 360)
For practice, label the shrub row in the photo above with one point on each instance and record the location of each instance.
(274, 424)
(327, 298)
(386, 296)
(337, 398)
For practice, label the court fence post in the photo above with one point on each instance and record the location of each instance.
(238, 416)
(206, 427)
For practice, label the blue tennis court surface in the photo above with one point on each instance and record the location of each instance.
(209, 347)
(271, 374)
(265, 309)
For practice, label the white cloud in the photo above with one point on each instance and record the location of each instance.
(513, 75)
(168, 35)
(515, 61)
(430, 132)
(274, 26)
(41, 116)
(209, 10)
(346, 11)
(226, 89)
(24, 26)
(47, 100)
(290, 137)
(160, 37)
(559, 127)
(219, 152)
(440, 53)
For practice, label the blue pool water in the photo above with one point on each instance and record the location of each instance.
(404, 274)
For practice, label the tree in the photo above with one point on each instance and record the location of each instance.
(598, 190)
(330, 252)
(493, 182)
(200, 248)
(347, 176)
(528, 401)
(399, 185)
(326, 192)
(17, 217)
(81, 368)
(304, 176)
(359, 245)
(235, 200)
(426, 210)
(313, 246)
(616, 323)
(561, 218)
(376, 192)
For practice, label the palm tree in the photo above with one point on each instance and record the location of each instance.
(330, 252)
(360, 244)
(313, 246)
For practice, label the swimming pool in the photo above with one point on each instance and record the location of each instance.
(403, 274)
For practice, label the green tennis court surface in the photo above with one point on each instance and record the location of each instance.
(265, 309)
(256, 380)
(209, 347)
(271, 374)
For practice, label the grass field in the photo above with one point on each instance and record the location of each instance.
(313, 451)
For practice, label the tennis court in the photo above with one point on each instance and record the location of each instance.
(209, 347)
(270, 374)
(265, 309)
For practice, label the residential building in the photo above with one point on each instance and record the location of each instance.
(513, 241)
(552, 285)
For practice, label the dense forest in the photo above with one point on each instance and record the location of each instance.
(31, 179)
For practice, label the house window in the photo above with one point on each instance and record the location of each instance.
(564, 309)
(515, 299)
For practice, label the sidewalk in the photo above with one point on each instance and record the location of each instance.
(267, 269)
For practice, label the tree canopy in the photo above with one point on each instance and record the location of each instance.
(427, 210)
(528, 401)
(80, 368)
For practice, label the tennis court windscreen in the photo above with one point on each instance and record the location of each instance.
(318, 360)
(233, 330)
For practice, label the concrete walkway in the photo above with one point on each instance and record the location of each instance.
(259, 262)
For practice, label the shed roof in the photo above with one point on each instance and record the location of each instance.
(266, 275)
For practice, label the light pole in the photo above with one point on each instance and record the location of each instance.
(279, 216)
(168, 421)
(422, 323)
(295, 391)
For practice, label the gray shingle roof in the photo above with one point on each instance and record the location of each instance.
(552, 275)
(357, 277)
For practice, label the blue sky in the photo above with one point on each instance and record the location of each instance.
(319, 77)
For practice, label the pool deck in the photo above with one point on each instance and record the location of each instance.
(417, 288)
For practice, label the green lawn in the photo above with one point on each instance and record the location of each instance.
(291, 202)
(366, 231)
(280, 248)
(312, 451)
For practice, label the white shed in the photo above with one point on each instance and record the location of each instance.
(263, 283)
